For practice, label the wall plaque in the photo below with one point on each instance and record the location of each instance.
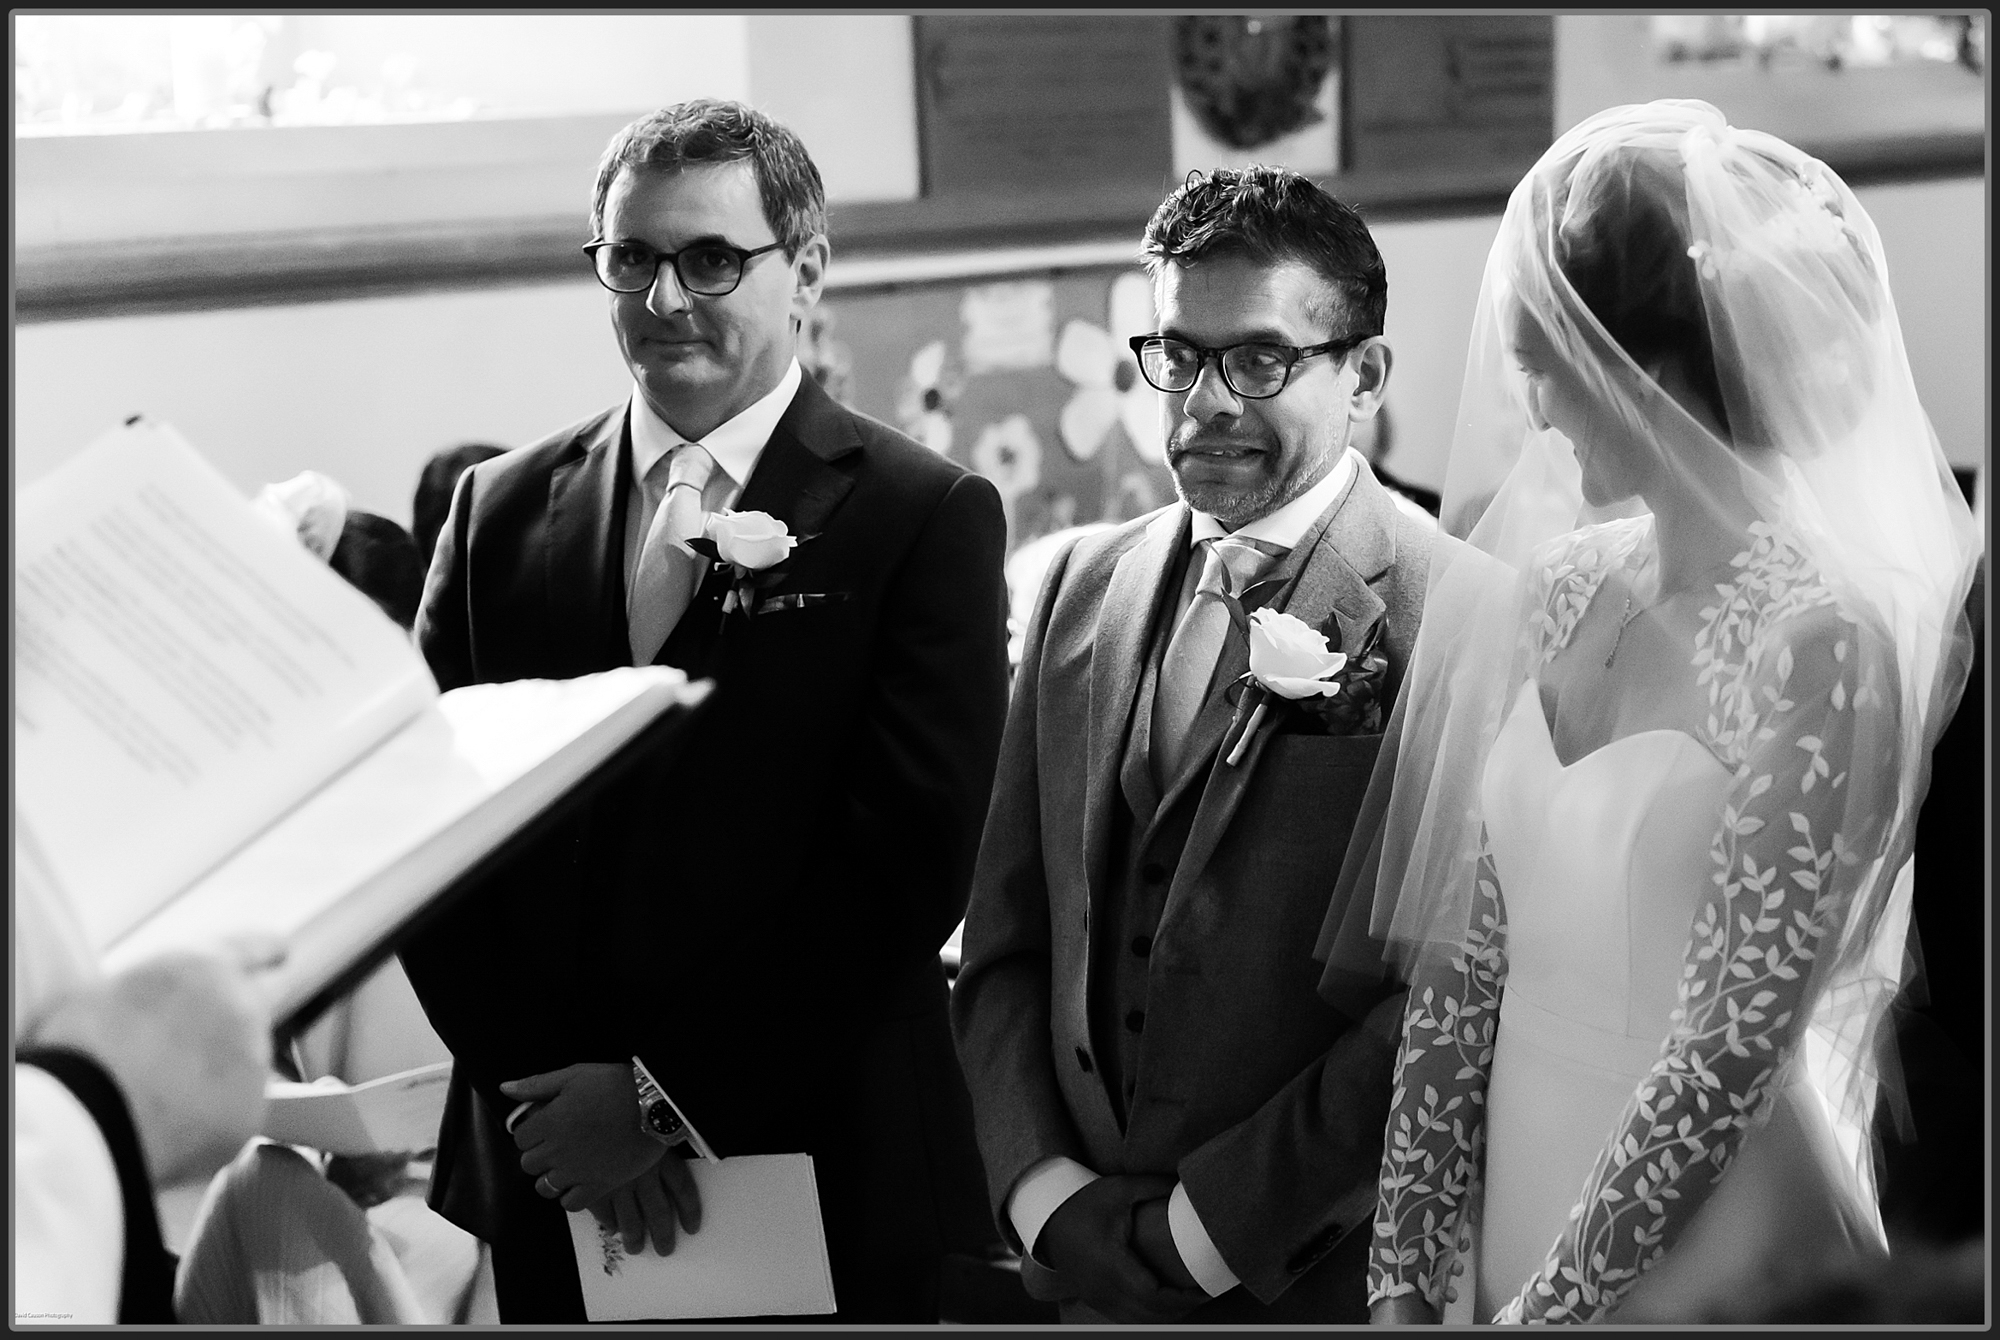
(1010, 103)
(1429, 93)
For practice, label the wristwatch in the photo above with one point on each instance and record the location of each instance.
(657, 1116)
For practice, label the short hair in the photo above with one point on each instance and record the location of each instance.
(704, 131)
(379, 558)
(1272, 215)
(432, 503)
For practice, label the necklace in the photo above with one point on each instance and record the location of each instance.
(1630, 614)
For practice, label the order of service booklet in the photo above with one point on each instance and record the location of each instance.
(217, 736)
(396, 1114)
(761, 1251)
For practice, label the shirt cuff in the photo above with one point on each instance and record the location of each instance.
(1197, 1249)
(1040, 1192)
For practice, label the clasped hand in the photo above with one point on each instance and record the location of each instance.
(1111, 1241)
(583, 1146)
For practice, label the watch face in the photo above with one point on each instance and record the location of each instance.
(662, 1118)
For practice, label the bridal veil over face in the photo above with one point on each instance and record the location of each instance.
(1693, 322)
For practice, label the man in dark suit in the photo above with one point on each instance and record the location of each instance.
(1175, 1124)
(753, 927)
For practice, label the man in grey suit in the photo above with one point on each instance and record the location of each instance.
(1175, 1124)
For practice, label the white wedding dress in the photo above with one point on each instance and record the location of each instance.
(1603, 862)
(1615, 1026)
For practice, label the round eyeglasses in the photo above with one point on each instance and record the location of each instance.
(707, 269)
(1256, 370)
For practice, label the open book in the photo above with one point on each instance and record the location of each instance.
(217, 736)
(396, 1114)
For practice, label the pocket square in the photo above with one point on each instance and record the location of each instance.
(772, 604)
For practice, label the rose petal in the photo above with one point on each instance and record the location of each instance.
(1286, 686)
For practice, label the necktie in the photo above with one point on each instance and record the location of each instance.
(663, 583)
(1228, 569)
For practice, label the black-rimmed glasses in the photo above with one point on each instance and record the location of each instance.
(1256, 370)
(708, 269)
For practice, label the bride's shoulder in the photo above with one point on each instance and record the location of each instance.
(1776, 599)
(1564, 573)
(1779, 633)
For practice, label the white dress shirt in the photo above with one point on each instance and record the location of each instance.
(1043, 1188)
(69, 1241)
(735, 444)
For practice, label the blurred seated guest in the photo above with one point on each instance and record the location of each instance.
(1025, 569)
(375, 555)
(379, 558)
(434, 488)
(278, 1243)
(123, 1086)
(1373, 438)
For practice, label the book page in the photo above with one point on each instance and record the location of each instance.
(340, 872)
(185, 672)
(761, 1251)
(397, 1114)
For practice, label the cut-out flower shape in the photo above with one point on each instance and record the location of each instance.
(923, 407)
(1109, 389)
(1009, 454)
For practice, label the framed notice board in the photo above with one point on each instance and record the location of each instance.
(1468, 95)
(1042, 103)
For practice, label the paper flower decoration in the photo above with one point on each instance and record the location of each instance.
(923, 406)
(1109, 389)
(1009, 454)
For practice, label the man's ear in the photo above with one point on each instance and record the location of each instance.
(809, 275)
(1372, 360)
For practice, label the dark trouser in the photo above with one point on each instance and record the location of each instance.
(898, 1181)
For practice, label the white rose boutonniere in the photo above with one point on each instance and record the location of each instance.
(1291, 660)
(755, 545)
(1319, 689)
(752, 541)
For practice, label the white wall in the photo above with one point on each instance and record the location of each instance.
(365, 390)
(1608, 60)
(861, 131)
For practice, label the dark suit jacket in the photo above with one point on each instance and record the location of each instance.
(756, 907)
(1266, 1102)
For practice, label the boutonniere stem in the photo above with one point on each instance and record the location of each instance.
(1243, 740)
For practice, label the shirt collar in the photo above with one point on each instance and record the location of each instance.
(1285, 527)
(735, 443)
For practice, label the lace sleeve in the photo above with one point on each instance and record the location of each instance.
(1783, 875)
(1437, 1114)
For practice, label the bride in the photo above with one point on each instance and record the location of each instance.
(1666, 732)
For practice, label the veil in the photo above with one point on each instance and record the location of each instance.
(1685, 353)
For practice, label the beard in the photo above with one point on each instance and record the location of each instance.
(1236, 504)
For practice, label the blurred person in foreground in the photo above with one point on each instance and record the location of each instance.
(1175, 1124)
(745, 937)
(370, 552)
(123, 1086)
(1667, 730)
(435, 484)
